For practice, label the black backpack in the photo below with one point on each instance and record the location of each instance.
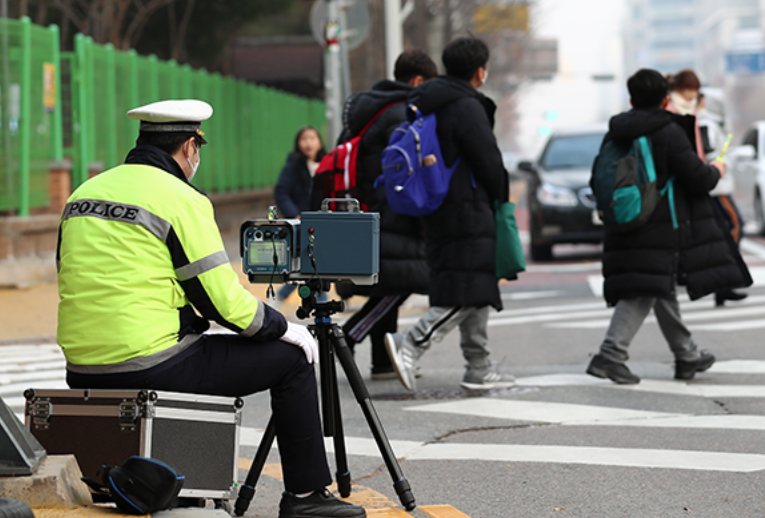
(139, 485)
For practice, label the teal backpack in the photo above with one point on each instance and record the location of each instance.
(624, 184)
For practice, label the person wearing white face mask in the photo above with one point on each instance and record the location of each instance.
(138, 252)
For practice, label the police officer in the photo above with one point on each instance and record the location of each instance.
(138, 252)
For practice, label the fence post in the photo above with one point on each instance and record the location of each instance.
(58, 130)
(154, 79)
(81, 123)
(25, 115)
(111, 108)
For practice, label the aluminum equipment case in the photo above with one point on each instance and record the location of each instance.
(196, 434)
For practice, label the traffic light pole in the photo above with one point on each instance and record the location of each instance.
(333, 83)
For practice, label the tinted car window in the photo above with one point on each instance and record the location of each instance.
(751, 139)
(571, 152)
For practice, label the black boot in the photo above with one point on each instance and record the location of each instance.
(321, 504)
(602, 367)
(686, 370)
(722, 296)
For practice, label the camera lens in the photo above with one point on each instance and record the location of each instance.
(258, 234)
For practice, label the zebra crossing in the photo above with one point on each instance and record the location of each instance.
(39, 366)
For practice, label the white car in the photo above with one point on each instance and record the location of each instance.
(747, 164)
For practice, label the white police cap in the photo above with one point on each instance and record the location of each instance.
(177, 116)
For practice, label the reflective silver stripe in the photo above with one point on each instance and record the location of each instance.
(201, 266)
(123, 212)
(257, 321)
(135, 364)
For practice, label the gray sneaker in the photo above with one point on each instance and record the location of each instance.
(486, 379)
(403, 356)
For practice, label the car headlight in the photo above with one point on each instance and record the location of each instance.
(549, 194)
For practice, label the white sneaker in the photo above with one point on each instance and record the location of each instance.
(486, 379)
(403, 356)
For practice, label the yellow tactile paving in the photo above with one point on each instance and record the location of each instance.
(376, 504)
(387, 513)
(442, 511)
(94, 511)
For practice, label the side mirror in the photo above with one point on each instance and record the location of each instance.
(746, 152)
(527, 167)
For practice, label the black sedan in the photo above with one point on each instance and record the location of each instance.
(560, 201)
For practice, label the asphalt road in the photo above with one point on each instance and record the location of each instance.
(562, 443)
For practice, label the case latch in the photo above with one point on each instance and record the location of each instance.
(130, 412)
(41, 410)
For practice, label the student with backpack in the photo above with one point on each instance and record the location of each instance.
(460, 234)
(403, 269)
(678, 240)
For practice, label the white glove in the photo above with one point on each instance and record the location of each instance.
(302, 337)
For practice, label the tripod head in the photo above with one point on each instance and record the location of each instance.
(311, 306)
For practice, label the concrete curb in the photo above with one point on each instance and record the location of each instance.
(55, 485)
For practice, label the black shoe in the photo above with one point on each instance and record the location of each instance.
(722, 296)
(686, 370)
(602, 367)
(321, 504)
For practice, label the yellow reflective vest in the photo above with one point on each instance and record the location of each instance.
(136, 246)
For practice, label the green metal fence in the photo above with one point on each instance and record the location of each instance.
(250, 133)
(30, 113)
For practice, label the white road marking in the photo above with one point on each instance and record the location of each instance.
(673, 387)
(538, 411)
(626, 457)
(529, 295)
(752, 247)
(739, 367)
(595, 282)
(642, 458)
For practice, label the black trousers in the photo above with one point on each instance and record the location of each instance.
(232, 365)
(378, 316)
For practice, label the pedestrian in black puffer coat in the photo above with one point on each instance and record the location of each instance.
(460, 235)
(403, 268)
(651, 260)
(642, 267)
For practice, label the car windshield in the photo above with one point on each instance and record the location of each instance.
(571, 152)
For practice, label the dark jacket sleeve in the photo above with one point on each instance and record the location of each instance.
(475, 137)
(694, 176)
(283, 192)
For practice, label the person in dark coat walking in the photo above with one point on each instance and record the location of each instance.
(460, 235)
(293, 190)
(643, 267)
(403, 269)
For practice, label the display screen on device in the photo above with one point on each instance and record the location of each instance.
(262, 253)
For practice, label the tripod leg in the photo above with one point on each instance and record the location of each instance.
(400, 484)
(343, 473)
(327, 379)
(247, 490)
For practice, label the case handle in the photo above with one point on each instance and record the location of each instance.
(353, 204)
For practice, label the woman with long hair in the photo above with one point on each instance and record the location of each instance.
(293, 190)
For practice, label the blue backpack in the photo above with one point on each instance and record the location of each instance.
(415, 176)
(624, 185)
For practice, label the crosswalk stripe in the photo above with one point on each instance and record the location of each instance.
(688, 316)
(538, 411)
(739, 367)
(641, 458)
(594, 315)
(648, 385)
(32, 367)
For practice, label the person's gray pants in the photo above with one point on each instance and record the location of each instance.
(629, 315)
(473, 323)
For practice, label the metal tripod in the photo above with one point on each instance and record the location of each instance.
(331, 344)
